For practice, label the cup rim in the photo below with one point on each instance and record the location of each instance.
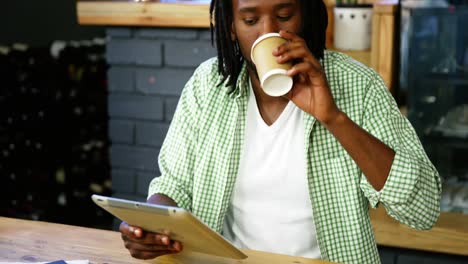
(262, 37)
(277, 72)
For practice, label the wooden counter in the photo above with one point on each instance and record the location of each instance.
(449, 235)
(34, 241)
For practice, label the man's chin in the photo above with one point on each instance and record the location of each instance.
(251, 67)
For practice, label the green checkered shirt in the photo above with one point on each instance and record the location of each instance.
(199, 159)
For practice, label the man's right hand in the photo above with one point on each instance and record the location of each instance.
(147, 245)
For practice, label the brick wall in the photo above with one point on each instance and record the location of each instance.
(148, 69)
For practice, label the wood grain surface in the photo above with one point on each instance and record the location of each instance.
(35, 241)
(449, 234)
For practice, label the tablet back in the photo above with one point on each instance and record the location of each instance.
(179, 223)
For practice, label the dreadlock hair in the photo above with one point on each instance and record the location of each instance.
(230, 60)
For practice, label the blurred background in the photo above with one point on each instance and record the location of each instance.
(54, 141)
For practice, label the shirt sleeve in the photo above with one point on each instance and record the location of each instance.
(177, 156)
(412, 191)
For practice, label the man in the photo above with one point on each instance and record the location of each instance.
(292, 174)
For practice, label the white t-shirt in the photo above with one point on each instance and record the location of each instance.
(271, 209)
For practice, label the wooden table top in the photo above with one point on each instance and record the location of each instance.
(35, 241)
(449, 235)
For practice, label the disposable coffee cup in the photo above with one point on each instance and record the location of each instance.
(272, 75)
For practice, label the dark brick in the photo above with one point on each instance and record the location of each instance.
(170, 105)
(117, 52)
(139, 158)
(143, 181)
(205, 34)
(151, 134)
(167, 33)
(164, 81)
(136, 106)
(133, 197)
(131, 51)
(123, 181)
(118, 32)
(148, 53)
(121, 79)
(187, 53)
(121, 131)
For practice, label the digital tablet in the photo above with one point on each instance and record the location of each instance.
(178, 223)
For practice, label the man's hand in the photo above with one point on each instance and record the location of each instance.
(147, 245)
(310, 91)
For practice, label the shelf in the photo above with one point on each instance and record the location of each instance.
(363, 56)
(154, 13)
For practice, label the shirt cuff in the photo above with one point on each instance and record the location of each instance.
(400, 183)
(169, 187)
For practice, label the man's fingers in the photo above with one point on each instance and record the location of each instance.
(162, 239)
(176, 245)
(150, 254)
(136, 234)
(290, 36)
(130, 231)
(149, 239)
(147, 247)
(303, 67)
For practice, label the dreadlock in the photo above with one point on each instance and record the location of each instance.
(230, 60)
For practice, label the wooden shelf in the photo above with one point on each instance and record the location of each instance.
(381, 56)
(116, 13)
(449, 235)
(383, 40)
(363, 56)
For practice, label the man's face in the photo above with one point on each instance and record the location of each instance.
(253, 18)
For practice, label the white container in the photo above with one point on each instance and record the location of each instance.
(352, 27)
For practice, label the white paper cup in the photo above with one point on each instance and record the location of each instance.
(272, 75)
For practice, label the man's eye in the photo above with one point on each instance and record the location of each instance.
(284, 18)
(250, 21)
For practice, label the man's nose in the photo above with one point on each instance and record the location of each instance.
(270, 26)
